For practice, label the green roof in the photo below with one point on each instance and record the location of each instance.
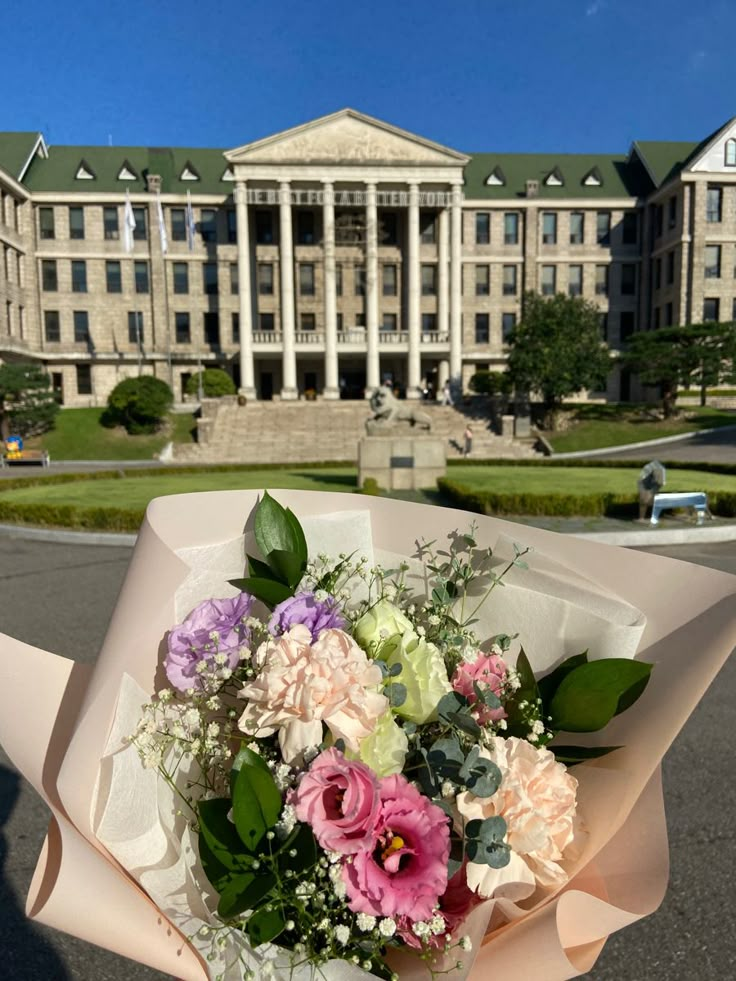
(617, 175)
(665, 160)
(15, 149)
(58, 173)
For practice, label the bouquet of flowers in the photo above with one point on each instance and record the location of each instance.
(399, 746)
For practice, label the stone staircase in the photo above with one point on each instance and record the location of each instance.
(306, 432)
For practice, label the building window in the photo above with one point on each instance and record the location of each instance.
(729, 157)
(603, 323)
(135, 327)
(46, 223)
(178, 225)
(208, 225)
(603, 227)
(305, 227)
(141, 277)
(711, 310)
(235, 328)
(307, 321)
(209, 277)
(212, 328)
(510, 277)
(79, 276)
(658, 220)
(482, 329)
(232, 226)
(51, 326)
(265, 321)
(306, 279)
(81, 327)
(670, 267)
(626, 325)
(234, 283)
(549, 280)
(601, 280)
(113, 276)
(630, 228)
(482, 280)
(388, 228)
(628, 279)
(672, 212)
(668, 314)
(482, 228)
(712, 262)
(76, 222)
(140, 232)
(182, 328)
(84, 379)
(265, 278)
(657, 273)
(577, 228)
(549, 228)
(429, 323)
(511, 228)
(429, 280)
(339, 321)
(180, 272)
(359, 280)
(338, 279)
(390, 322)
(49, 278)
(110, 227)
(574, 280)
(264, 227)
(714, 204)
(508, 322)
(428, 227)
(390, 285)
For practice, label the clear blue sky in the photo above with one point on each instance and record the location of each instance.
(503, 75)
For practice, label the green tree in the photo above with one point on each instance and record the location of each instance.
(139, 404)
(490, 383)
(27, 403)
(557, 350)
(215, 382)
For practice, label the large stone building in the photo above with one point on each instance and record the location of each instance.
(343, 252)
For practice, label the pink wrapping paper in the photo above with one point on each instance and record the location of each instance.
(622, 874)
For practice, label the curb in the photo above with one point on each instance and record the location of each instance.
(62, 536)
(662, 441)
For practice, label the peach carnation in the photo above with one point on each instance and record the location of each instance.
(537, 800)
(302, 685)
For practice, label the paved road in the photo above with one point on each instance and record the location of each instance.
(60, 597)
(716, 447)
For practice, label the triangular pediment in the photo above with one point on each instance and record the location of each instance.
(718, 156)
(346, 137)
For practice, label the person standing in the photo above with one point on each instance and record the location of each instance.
(468, 441)
(446, 394)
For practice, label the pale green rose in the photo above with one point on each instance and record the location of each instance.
(380, 622)
(384, 751)
(423, 674)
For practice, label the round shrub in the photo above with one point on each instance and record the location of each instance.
(139, 404)
(215, 382)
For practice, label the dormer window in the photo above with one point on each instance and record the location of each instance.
(127, 173)
(730, 153)
(554, 178)
(496, 178)
(85, 172)
(592, 178)
(228, 175)
(189, 173)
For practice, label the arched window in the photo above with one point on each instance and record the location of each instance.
(731, 153)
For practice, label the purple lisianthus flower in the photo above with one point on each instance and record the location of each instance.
(305, 608)
(214, 627)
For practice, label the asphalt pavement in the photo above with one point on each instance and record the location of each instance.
(60, 597)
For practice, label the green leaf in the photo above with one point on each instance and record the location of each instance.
(465, 722)
(445, 757)
(258, 569)
(589, 697)
(480, 775)
(527, 692)
(570, 755)
(396, 693)
(267, 590)
(551, 682)
(245, 892)
(450, 703)
(287, 565)
(265, 925)
(256, 804)
(250, 757)
(301, 542)
(272, 527)
(220, 834)
(301, 841)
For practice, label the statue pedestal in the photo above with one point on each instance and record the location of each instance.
(397, 461)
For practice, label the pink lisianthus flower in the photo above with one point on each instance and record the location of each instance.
(338, 799)
(487, 671)
(455, 904)
(303, 684)
(405, 871)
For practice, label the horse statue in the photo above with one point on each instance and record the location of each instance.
(388, 411)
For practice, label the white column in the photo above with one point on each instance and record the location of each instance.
(286, 265)
(372, 372)
(456, 300)
(331, 389)
(443, 252)
(245, 302)
(413, 305)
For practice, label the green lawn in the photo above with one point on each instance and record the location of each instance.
(596, 426)
(78, 435)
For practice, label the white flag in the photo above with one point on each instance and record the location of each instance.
(190, 222)
(162, 225)
(128, 224)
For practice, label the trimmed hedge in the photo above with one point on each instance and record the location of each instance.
(71, 516)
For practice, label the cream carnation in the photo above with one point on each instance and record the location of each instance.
(303, 685)
(536, 799)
